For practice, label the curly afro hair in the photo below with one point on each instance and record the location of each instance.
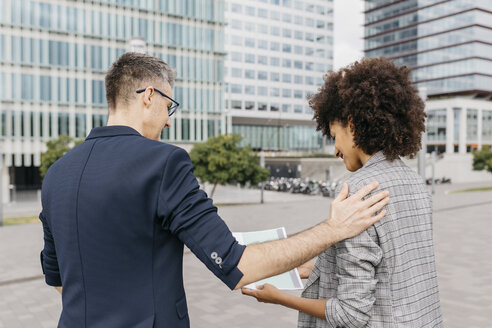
(378, 99)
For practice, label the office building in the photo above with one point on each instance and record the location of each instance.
(54, 55)
(277, 54)
(448, 45)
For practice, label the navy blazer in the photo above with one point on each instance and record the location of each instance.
(117, 210)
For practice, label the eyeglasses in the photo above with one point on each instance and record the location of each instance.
(172, 108)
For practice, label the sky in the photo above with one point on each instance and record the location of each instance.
(348, 42)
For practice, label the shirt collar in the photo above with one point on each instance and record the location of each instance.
(112, 131)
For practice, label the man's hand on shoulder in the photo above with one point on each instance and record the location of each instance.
(350, 216)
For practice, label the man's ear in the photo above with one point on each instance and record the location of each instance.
(147, 96)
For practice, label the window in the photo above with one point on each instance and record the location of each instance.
(262, 91)
(274, 92)
(263, 28)
(298, 20)
(262, 106)
(262, 75)
(286, 108)
(249, 42)
(250, 27)
(262, 60)
(287, 33)
(298, 35)
(309, 22)
(287, 48)
(297, 109)
(320, 24)
(262, 44)
(274, 30)
(275, 46)
(298, 50)
(298, 79)
(249, 89)
(274, 107)
(236, 88)
(237, 25)
(249, 105)
(249, 74)
(262, 13)
(286, 93)
(287, 78)
(309, 66)
(287, 18)
(298, 94)
(237, 72)
(250, 11)
(236, 56)
(274, 76)
(236, 104)
(298, 64)
(275, 15)
(309, 80)
(249, 58)
(309, 37)
(309, 51)
(236, 40)
(80, 120)
(274, 61)
(286, 63)
(235, 8)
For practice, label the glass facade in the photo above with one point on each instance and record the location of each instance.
(277, 54)
(54, 55)
(447, 43)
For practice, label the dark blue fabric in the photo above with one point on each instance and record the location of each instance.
(117, 210)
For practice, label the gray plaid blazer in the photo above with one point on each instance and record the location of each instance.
(386, 276)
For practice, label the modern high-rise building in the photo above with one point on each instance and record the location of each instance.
(54, 55)
(448, 45)
(277, 54)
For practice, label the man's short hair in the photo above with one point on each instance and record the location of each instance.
(377, 97)
(130, 72)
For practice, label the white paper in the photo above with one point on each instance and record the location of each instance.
(285, 281)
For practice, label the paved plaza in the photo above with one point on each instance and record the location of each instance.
(462, 228)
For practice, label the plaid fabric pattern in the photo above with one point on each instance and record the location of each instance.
(386, 276)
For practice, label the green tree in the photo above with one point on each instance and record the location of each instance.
(482, 160)
(56, 149)
(220, 160)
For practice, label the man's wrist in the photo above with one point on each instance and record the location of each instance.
(332, 231)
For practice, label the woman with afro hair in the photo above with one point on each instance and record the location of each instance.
(386, 276)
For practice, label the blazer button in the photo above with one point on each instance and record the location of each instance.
(214, 255)
(218, 260)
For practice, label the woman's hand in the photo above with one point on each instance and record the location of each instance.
(305, 269)
(265, 293)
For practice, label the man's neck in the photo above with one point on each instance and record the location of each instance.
(125, 120)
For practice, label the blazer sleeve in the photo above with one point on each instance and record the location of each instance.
(49, 261)
(356, 261)
(189, 214)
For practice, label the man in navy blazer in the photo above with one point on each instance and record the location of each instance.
(118, 208)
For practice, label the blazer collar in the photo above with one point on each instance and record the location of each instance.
(374, 159)
(112, 131)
